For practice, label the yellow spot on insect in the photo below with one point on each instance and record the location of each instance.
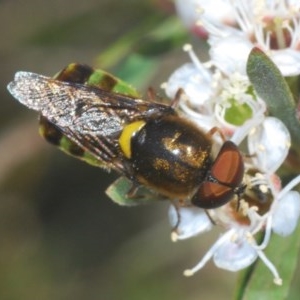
(128, 132)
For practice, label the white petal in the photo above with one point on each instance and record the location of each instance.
(286, 214)
(234, 256)
(242, 131)
(188, 10)
(269, 143)
(205, 121)
(193, 221)
(223, 14)
(195, 84)
(230, 54)
(288, 61)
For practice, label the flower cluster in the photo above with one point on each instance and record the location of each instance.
(218, 93)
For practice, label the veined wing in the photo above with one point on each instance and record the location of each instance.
(82, 108)
(91, 117)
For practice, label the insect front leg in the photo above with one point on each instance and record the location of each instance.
(216, 130)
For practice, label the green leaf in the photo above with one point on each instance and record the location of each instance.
(257, 282)
(137, 70)
(119, 189)
(273, 89)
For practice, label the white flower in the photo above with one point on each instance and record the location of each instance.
(270, 142)
(190, 11)
(230, 54)
(185, 228)
(264, 206)
(213, 98)
(217, 93)
(273, 26)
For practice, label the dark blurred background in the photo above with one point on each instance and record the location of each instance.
(60, 236)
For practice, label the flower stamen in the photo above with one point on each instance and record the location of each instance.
(195, 60)
(289, 187)
(270, 266)
(209, 254)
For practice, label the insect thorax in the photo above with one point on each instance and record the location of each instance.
(170, 155)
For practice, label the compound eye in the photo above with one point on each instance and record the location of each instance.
(226, 174)
(228, 168)
(212, 195)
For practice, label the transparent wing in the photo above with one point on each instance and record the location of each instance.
(83, 108)
(91, 117)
